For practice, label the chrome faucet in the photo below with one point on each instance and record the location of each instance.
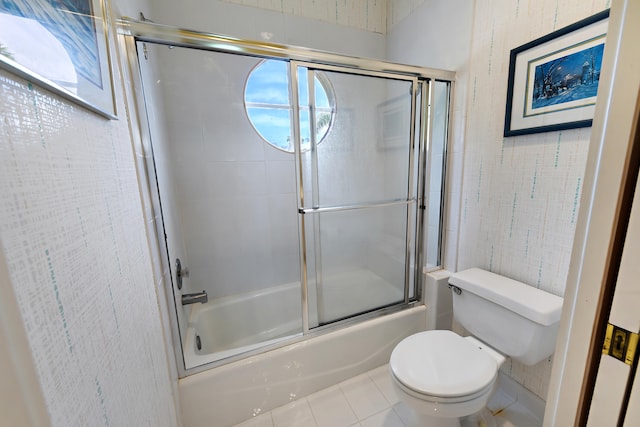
(194, 298)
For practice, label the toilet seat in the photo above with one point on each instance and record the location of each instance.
(445, 400)
(442, 366)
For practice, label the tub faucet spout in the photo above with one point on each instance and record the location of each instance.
(194, 298)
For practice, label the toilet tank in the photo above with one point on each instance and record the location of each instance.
(516, 319)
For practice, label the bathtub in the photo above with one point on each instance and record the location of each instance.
(255, 324)
(231, 393)
(266, 317)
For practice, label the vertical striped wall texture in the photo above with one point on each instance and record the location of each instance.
(520, 195)
(72, 230)
(367, 15)
(397, 10)
(370, 15)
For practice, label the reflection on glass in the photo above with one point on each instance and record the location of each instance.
(267, 103)
(31, 45)
(39, 26)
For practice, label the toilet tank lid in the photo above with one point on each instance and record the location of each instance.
(534, 304)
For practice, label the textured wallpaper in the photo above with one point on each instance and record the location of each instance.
(520, 195)
(371, 15)
(72, 230)
(367, 15)
(397, 10)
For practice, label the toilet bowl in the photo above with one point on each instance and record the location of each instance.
(446, 378)
(443, 376)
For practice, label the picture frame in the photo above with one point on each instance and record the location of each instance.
(62, 46)
(553, 80)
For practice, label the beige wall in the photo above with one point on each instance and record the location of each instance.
(521, 194)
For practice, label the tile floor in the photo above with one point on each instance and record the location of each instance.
(369, 400)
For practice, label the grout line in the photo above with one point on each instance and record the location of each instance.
(348, 402)
(379, 389)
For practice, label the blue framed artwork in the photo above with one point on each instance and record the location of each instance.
(553, 81)
(61, 45)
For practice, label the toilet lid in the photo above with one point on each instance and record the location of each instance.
(442, 363)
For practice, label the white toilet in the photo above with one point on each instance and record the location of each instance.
(444, 377)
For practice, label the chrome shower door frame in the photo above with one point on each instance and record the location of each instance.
(417, 85)
(132, 31)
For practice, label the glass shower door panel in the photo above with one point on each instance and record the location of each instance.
(229, 205)
(364, 156)
(356, 262)
(436, 171)
(359, 198)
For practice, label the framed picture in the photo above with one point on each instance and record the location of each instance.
(61, 45)
(553, 81)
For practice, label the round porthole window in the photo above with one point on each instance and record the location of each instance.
(266, 100)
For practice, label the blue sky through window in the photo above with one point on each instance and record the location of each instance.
(268, 108)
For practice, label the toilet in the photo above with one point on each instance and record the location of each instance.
(448, 379)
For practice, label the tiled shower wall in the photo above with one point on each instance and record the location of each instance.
(73, 234)
(520, 195)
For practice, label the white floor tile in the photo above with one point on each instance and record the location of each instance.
(331, 409)
(382, 379)
(406, 414)
(363, 396)
(263, 420)
(369, 400)
(386, 418)
(294, 414)
(517, 416)
(500, 401)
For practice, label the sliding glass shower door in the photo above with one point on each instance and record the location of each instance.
(358, 185)
(292, 192)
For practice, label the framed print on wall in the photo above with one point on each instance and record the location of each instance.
(61, 45)
(553, 81)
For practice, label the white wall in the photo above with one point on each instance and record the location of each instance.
(436, 34)
(521, 194)
(73, 234)
(274, 26)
